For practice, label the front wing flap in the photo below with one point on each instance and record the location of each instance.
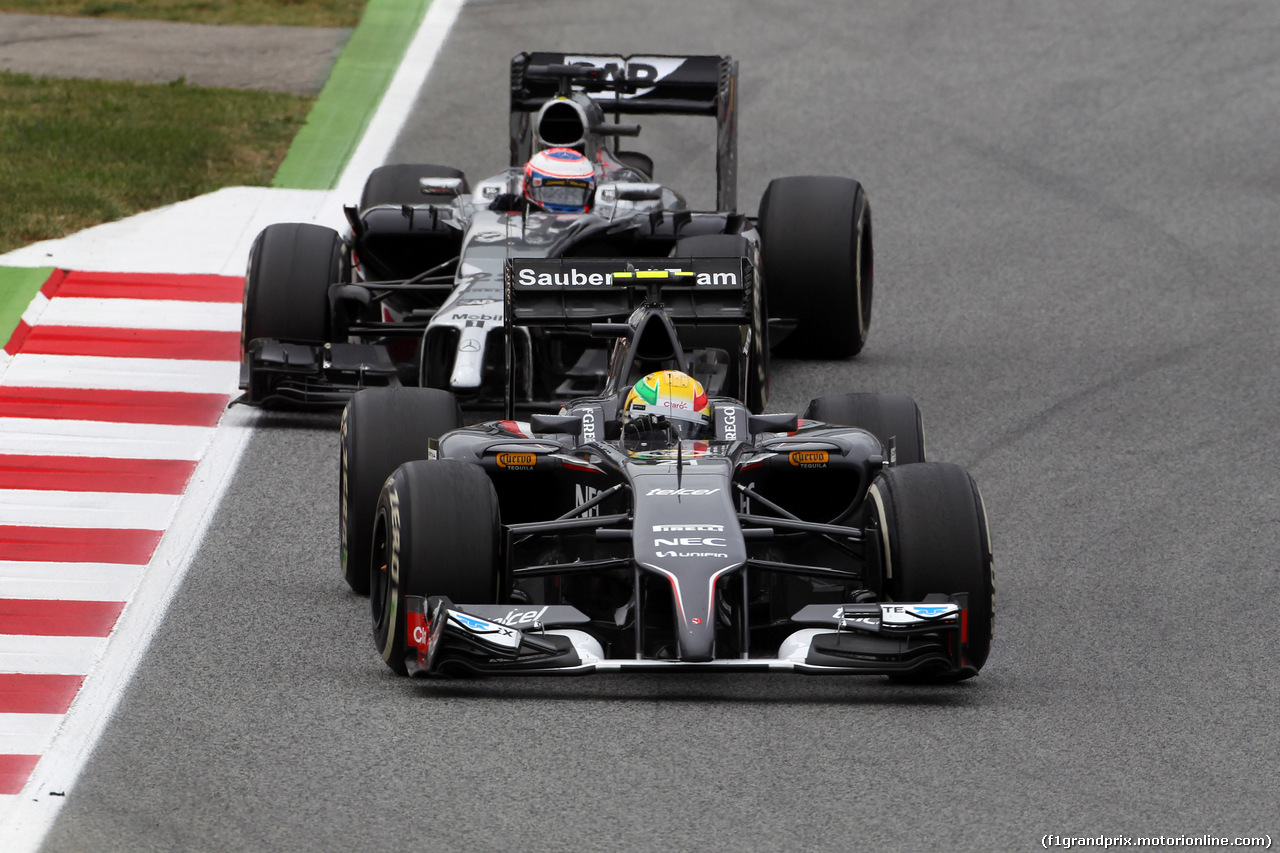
(305, 375)
(898, 638)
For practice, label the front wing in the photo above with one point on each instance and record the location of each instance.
(899, 638)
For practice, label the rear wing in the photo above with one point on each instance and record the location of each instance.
(641, 84)
(582, 291)
(568, 292)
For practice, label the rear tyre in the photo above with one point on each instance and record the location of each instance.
(286, 288)
(755, 391)
(437, 532)
(399, 184)
(818, 270)
(382, 428)
(934, 538)
(885, 416)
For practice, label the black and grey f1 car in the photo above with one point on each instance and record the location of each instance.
(412, 295)
(565, 544)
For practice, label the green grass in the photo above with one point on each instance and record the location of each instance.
(300, 13)
(74, 153)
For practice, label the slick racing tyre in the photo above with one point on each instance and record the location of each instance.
(437, 532)
(817, 255)
(382, 428)
(755, 391)
(286, 290)
(399, 184)
(934, 538)
(885, 416)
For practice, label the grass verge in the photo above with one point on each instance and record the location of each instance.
(75, 153)
(298, 13)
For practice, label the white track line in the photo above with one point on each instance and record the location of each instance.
(143, 314)
(109, 510)
(68, 581)
(48, 437)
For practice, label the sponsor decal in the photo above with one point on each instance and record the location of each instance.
(905, 614)
(472, 622)
(416, 628)
(568, 278)
(481, 318)
(342, 490)
(678, 492)
(574, 277)
(681, 528)
(589, 432)
(929, 611)
(730, 423)
(393, 497)
(685, 541)
(662, 554)
(522, 617)
(582, 494)
(500, 635)
(808, 458)
(469, 345)
(702, 279)
(517, 461)
(642, 75)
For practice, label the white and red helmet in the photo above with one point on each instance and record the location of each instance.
(559, 180)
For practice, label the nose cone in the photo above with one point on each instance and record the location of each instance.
(686, 529)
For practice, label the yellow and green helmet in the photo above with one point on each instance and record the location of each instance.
(673, 395)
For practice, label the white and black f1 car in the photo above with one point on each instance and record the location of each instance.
(412, 293)
(566, 544)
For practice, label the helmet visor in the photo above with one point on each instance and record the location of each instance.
(561, 193)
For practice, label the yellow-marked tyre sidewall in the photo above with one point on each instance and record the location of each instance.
(388, 587)
(437, 532)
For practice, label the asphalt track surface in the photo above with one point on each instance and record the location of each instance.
(1076, 209)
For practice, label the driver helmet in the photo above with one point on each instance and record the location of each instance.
(668, 401)
(559, 180)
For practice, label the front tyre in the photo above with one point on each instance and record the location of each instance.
(437, 532)
(934, 538)
(286, 288)
(382, 428)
